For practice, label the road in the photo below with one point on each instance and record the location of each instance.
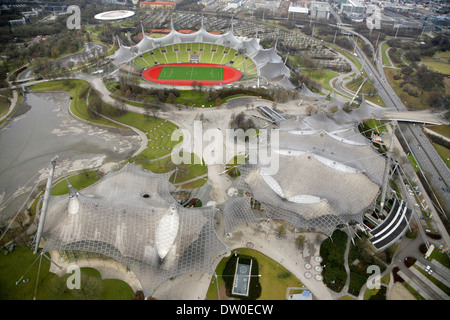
(432, 164)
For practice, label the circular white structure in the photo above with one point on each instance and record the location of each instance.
(114, 15)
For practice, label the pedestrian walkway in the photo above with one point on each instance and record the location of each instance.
(12, 106)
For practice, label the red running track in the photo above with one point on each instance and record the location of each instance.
(230, 74)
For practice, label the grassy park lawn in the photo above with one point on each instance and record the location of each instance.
(274, 280)
(51, 286)
(185, 172)
(193, 98)
(443, 258)
(439, 62)
(437, 66)
(386, 61)
(414, 163)
(376, 126)
(367, 89)
(322, 77)
(443, 130)
(443, 152)
(4, 105)
(78, 181)
(195, 184)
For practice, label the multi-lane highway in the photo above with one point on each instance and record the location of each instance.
(434, 168)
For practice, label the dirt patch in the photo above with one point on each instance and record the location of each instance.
(223, 292)
(399, 292)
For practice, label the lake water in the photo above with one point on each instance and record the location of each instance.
(44, 130)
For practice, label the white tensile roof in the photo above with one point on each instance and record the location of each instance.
(310, 191)
(268, 62)
(129, 215)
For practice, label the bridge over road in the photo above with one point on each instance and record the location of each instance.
(420, 116)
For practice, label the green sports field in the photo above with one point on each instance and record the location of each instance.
(191, 73)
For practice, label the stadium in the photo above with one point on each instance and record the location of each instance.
(242, 60)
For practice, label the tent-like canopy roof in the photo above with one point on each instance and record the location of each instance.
(310, 191)
(129, 215)
(268, 62)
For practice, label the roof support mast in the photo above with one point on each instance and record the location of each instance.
(388, 165)
(356, 94)
(48, 189)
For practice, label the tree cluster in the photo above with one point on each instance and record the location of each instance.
(97, 107)
(332, 251)
(423, 79)
(427, 48)
(130, 89)
(212, 95)
(189, 5)
(40, 52)
(240, 121)
(298, 78)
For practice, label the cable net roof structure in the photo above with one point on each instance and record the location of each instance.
(316, 122)
(305, 92)
(285, 83)
(329, 173)
(320, 121)
(310, 191)
(237, 211)
(129, 215)
(271, 70)
(362, 157)
(351, 133)
(269, 64)
(363, 112)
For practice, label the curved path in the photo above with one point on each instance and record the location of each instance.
(13, 104)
